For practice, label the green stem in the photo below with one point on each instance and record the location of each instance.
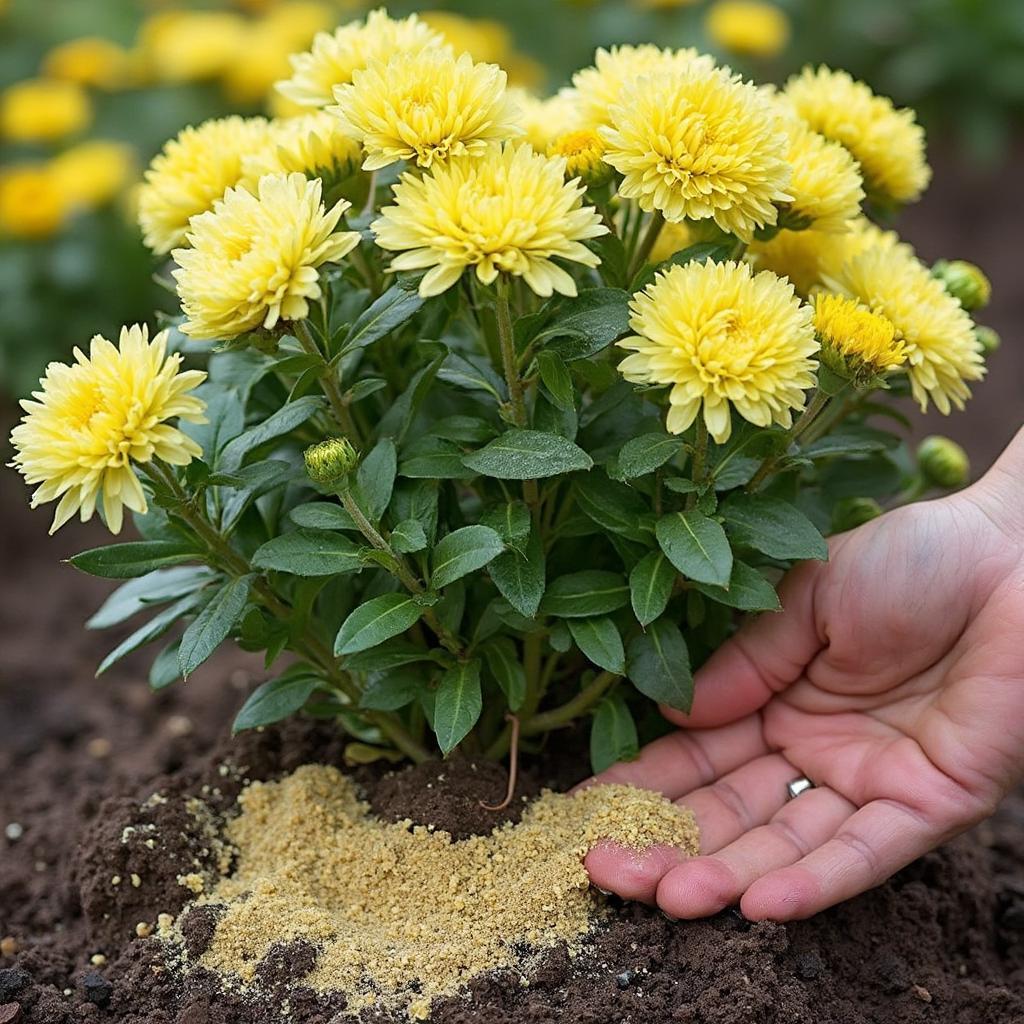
(806, 418)
(328, 383)
(698, 466)
(565, 713)
(646, 246)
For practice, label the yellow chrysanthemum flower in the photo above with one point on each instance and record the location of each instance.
(193, 171)
(313, 144)
(750, 28)
(94, 173)
(92, 420)
(335, 57)
(599, 87)
(942, 351)
(43, 110)
(722, 337)
(425, 107)
(32, 202)
(90, 61)
(856, 344)
(254, 259)
(544, 120)
(699, 144)
(509, 211)
(886, 142)
(190, 46)
(583, 151)
(826, 184)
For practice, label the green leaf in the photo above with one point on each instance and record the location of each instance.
(511, 521)
(587, 324)
(278, 423)
(375, 478)
(276, 699)
(519, 576)
(580, 595)
(463, 371)
(389, 691)
(402, 411)
(164, 669)
(253, 482)
(432, 458)
(650, 586)
(417, 499)
(213, 624)
(646, 453)
(309, 553)
(556, 378)
(408, 536)
(469, 429)
(396, 306)
(773, 527)
(528, 455)
(321, 515)
(136, 558)
(696, 546)
(147, 591)
(613, 735)
(659, 665)
(388, 656)
(225, 419)
(155, 628)
(748, 591)
(457, 704)
(699, 252)
(377, 620)
(614, 506)
(503, 660)
(599, 639)
(462, 552)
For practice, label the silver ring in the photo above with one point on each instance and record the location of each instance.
(798, 786)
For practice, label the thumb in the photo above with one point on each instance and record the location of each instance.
(767, 654)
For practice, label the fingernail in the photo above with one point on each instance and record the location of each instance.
(603, 892)
(668, 917)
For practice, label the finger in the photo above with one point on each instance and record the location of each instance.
(764, 657)
(734, 803)
(878, 840)
(683, 760)
(707, 884)
(740, 801)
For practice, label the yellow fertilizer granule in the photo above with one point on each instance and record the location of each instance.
(402, 914)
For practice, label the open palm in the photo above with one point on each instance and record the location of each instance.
(893, 678)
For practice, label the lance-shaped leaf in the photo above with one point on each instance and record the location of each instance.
(213, 624)
(136, 558)
(599, 639)
(277, 699)
(276, 425)
(309, 553)
(613, 735)
(659, 665)
(579, 595)
(528, 455)
(696, 545)
(395, 307)
(377, 620)
(519, 576)
(457, 704)
(462, 552)
(773, 527)
(650, 586)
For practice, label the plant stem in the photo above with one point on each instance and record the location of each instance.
(564, 713)
(698, 466)
(328, 383)
(646, 246)
(806, 418)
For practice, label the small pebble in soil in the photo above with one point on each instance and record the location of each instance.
(922, 993)
(809, 966)
(8, 945)
(10, 1013)
(14, 831)
(625, 979)
(96, 988)
(12, 981)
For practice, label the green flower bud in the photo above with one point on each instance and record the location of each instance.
(965, 282)
(330, 462)
(850, 513)
(988, 339)
(943, 462)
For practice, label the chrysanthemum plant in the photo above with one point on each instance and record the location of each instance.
(521, 437)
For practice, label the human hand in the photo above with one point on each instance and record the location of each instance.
(893, 678)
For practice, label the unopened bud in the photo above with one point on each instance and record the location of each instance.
(330, 462)
(943, 462)
(850, 513)
(965, 282)
(988, 340)
(584, 157)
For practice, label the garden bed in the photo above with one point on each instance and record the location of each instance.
(943, 942)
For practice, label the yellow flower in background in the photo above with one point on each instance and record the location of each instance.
(700, 144)
(94, 173)
(191, 172)
(90, 61)
(598, 88)
(722, 336)
(544, 120)
(43, 110)
(750, 28)
(886, 142)
(826, 184)
(32, 202)
(335, 56)
(856, 344)
(583, 152)
(254, 259)
(91, 421)
(942, 351)
(190, 46)
(425, 107)
(313, 144)
(508, 211)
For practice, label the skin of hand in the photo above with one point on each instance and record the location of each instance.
(893, 678)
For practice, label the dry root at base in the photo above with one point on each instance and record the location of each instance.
(400, 913)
